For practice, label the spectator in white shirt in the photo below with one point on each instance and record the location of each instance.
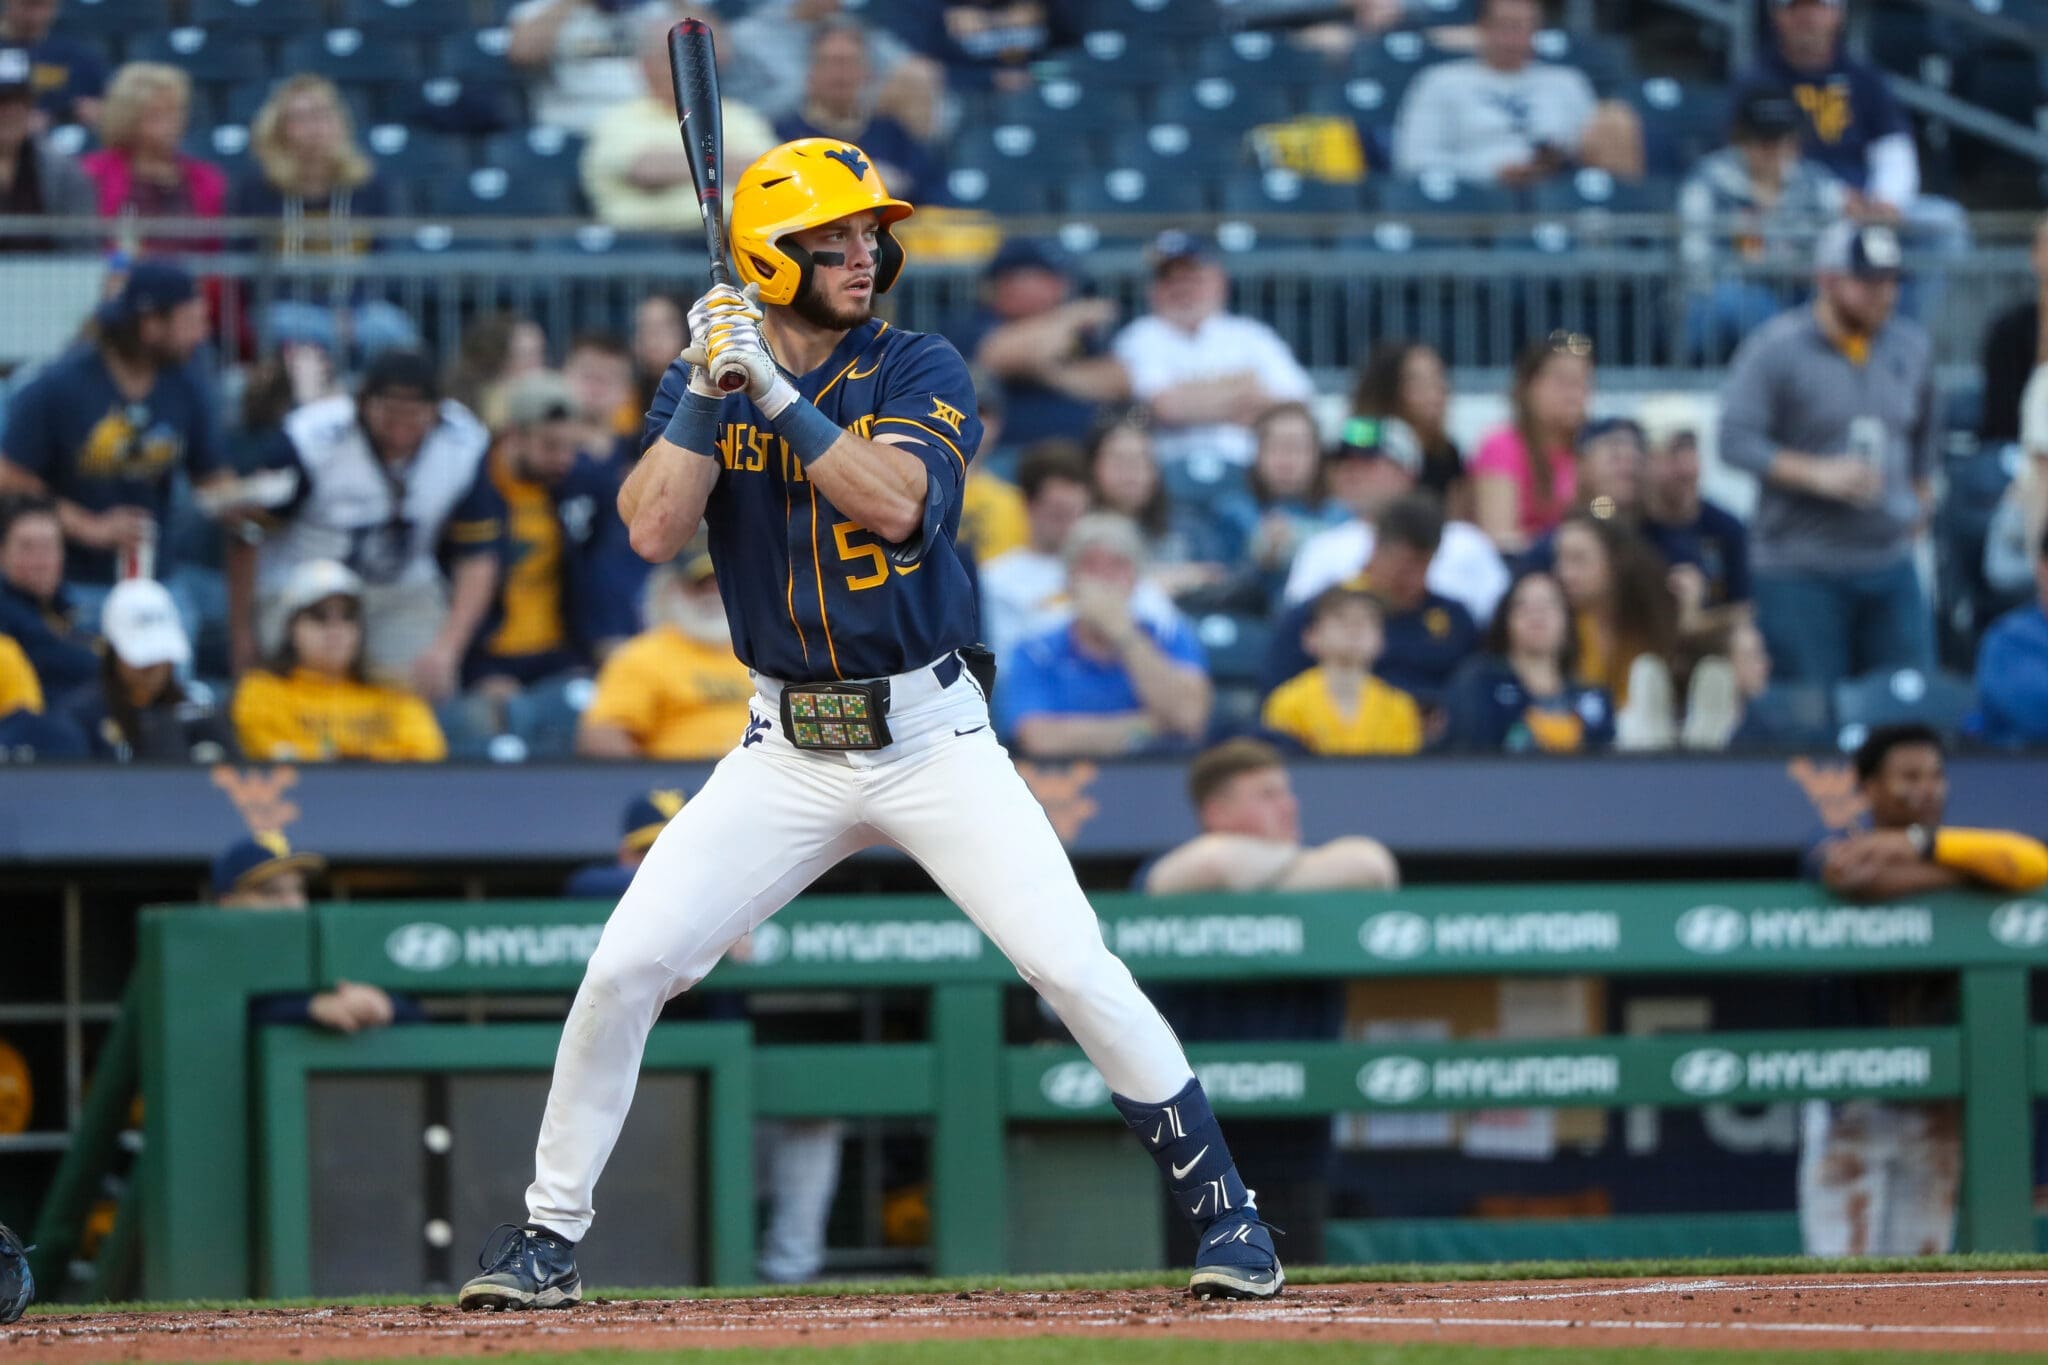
(1504, 118)
(1205, 374)
(1023, 590)
(581, 55)
(1376, 463)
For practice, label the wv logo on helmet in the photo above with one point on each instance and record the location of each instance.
(850, 158)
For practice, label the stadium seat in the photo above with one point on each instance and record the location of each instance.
(113, 16)
(1107, 59)
(1602, 60)
(545, 716)
(477, 59)
(206, 56)
(992, 191)
(256, 18)
(1901, 37)
(1904, 694)
(1127, 189)
(1280, 191)
(72, 139)
(1064, 106)
(536, 153)
(1168, 149)
(1439, 193)
(1235, 645)
(1682, 121)
(450, 105)
(406, 18)
(2007, 83)
(1218, 104)
(1256, 57)
(405, 154)
(493, 192)
(1010, 151)
(1160, 19)
(348, 55)
(1796, 715)
(226, 146)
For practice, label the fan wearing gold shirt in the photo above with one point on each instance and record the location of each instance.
(674, 691)
(1339, 707)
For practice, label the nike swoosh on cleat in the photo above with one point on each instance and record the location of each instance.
(1181, 1172)
(976, 729)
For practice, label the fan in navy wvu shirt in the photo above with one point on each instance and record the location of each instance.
(833, 489)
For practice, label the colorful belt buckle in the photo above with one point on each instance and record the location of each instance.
(835, 717)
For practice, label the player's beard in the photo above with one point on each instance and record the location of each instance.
(812, 306)
(700, 617)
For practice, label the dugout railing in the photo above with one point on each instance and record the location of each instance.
(224, 1188)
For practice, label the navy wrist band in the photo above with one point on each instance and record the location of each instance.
(810, 433)
(694, 424)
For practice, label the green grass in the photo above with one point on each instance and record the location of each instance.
(1154, 1279)
(1085, 1350)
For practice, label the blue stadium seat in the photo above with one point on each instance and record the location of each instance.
(477, 59)
(449, 104)
(256, 18)
(545, 716)
(1168, 19)
(1215, 104)
(536, 153)
(406, 154)
(1280, 191)
(113, 16)
(1256, 57)
(349, 55)
(1012, 151)
(1439, 193)
(1235, 645)
(1168, 149)
(1602, 60)
(1682, 121)
(1901, 37)
(1905, 694)
(1107, 59)
(1798, 715)
(1589, 197)
(72, 139)
(1064, 106)
(406, 18)
(595, 239)
(1127, 189)
(226, 146)
(991, 191)
(493, 192)
(205, 56)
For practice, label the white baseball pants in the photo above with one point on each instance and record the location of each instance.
(1878, 1179)
(768, 821)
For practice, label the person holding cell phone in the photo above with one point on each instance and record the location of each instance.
(1832, 406)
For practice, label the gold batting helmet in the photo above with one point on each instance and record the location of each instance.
(800, 185)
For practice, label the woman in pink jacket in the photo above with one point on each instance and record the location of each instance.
(140, 171)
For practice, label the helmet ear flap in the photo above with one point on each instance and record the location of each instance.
(802, 259)
(888, 259)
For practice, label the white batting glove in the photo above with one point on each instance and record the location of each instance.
(726, 336)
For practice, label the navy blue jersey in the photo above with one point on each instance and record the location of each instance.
(73, 429)
(811, 594)
(1847, 107)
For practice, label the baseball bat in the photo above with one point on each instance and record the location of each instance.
(693, 68)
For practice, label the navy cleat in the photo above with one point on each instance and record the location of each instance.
(524, 1267)
(1236, 1259)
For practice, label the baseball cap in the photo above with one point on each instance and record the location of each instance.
(1172, 247)
(1380, 438)
(141, 625)
(151, 287)
(1607, 426)
(316, 580)
(17, 69)
(646, 815)
(1764, 114)
(1865, 250)
(542, 396)
(396, 370)
(253, 859)
(1026, 253)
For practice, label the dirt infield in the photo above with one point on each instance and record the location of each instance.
(1976, 1312)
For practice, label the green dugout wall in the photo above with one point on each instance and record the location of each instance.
(225, 1195)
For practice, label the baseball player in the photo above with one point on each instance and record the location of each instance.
(832, 489)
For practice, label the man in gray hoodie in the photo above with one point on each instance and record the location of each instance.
(33, 178)
(1832, 407)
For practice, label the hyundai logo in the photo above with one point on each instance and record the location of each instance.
(1395, 934)
(1712, 929)
(423, 947)
(1707, 1071)
(768, 944)
(2020, 924)
(1074, 1085)
(1394, 1080)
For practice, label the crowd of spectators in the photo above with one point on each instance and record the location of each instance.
(1176, 540)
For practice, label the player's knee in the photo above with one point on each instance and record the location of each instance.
(621, 978)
